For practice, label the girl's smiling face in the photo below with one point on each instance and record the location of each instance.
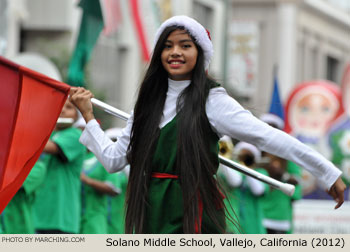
(179, 55)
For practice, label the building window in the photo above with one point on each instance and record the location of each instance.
(332, 68)
(203, 14)
(243, 56)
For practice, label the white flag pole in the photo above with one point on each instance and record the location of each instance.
(109, 109)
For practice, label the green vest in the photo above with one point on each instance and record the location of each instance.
(164, 212)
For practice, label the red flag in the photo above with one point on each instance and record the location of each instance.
(30, 104)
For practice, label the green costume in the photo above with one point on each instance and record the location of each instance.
(164, 213)
(58, 202)
(251, 212)
(17, 218)
(116, 206)
(232, 205)
(277, 206)
(94, 203)
(1, 221)
(340, 143)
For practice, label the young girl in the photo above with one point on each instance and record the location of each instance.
(170, 140)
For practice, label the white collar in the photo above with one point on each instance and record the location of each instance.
(177, 86)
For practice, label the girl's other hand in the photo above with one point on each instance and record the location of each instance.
(337, 192)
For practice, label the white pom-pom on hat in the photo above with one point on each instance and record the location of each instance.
(196, 30)
(247, 146)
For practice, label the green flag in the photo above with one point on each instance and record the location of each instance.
(90, 29)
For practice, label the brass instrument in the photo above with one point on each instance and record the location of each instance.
(226, 147)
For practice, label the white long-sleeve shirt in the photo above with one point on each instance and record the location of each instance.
(227, 117)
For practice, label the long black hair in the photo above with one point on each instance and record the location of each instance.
(196, 170)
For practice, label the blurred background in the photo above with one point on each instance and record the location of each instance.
(302, 47)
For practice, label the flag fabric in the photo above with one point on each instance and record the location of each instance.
(30, 104)
(134, 4)
(90, 29)
(111, 14)
(276, 106)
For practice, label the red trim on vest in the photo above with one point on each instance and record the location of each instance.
(164, 175)
(198, 226)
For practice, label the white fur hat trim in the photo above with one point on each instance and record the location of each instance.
(273, 119)
(226, 138)
(195, 29)
(247, 146)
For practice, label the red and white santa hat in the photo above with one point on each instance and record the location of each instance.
(196, 30)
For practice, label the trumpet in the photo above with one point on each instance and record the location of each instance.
(226, 147)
